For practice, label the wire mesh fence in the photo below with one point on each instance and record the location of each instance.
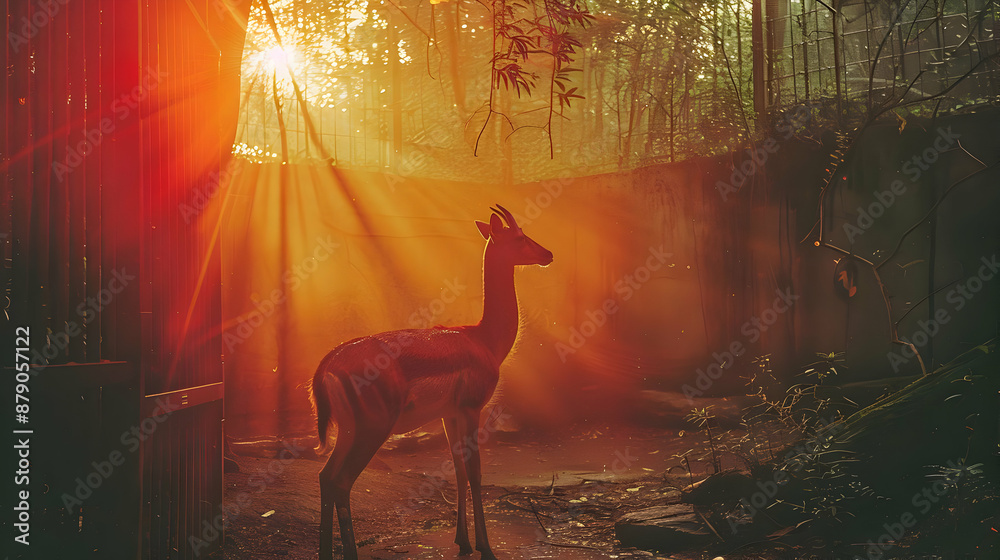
(405, 87)
(864, 56)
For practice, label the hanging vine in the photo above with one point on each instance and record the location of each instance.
(521, 35)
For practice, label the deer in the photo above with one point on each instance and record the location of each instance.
(397, 381)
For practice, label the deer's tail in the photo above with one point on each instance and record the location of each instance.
(320, 398)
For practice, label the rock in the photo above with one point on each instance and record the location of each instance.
(273, 447)
(430, 436)
(724, 487)
(503, 424)
(229, 465)
(662, 528)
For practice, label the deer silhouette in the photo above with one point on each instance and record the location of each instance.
(397, 381)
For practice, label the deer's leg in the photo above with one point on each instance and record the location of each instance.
(362, 449)
(330, 497)
(468, 429)
(350, 456)
(451, 431)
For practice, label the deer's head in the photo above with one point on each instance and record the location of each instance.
(509, 243)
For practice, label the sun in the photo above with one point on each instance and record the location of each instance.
(281, 62)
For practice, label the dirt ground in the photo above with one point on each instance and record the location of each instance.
(545, 498)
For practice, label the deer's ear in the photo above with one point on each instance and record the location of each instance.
(496, 225)
(484, 229)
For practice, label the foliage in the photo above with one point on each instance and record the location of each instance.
(603, 85)
(523, 32)
(461, 90)
(702, 418)
(915, 455)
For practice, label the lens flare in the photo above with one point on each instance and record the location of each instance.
(282, 62)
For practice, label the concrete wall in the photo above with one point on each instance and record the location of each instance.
(741, 271)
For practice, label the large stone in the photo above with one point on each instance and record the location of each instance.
(662, 528)
(725, 487)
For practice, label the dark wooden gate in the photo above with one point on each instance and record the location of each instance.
(118, 118)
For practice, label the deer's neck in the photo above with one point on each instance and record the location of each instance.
(500, 321)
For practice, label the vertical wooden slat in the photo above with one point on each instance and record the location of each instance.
(200, 495)
(169, 132)
(182, 17)
(191, 52)
(174, 130)
(151, 159)
(77, 181)
(173, 137)
(59, 129)
(182, 292)
(204, 498)
(194, 51)
(7, 181)
(151, 499)
(21, 134)
(94, 218)
(156, 469)
(76, 231)
(176, 433)
(158, 163)
(162, 486)
(188, 503)
(127, 147)
(109, 175)
(40, 103)
(123, 183)
(148, 38)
